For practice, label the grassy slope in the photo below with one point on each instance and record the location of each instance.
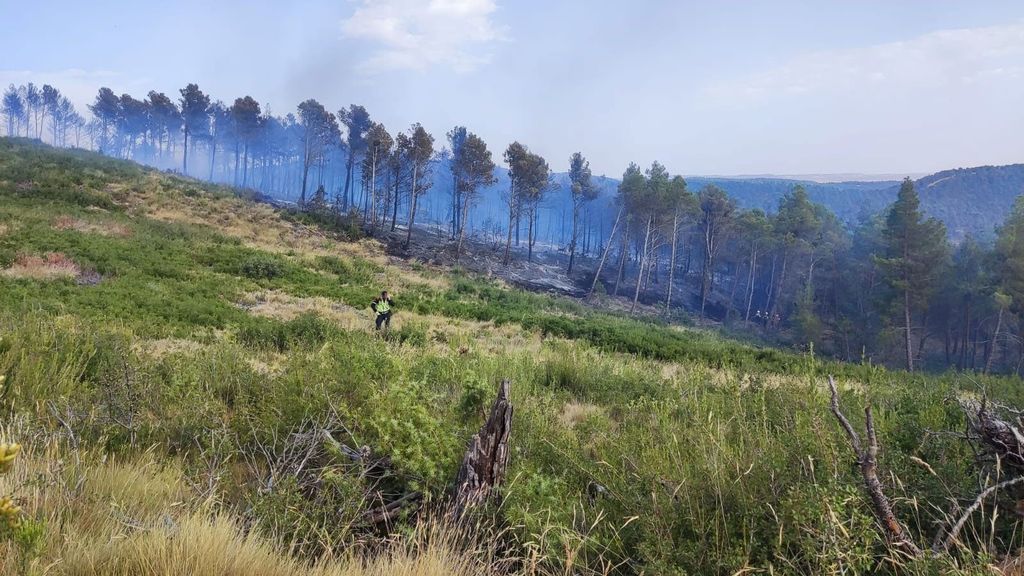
(219, 327)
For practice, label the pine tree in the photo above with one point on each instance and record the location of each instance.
(583, 191)
(916, 252)
(475, 169)
(717, 210)
(421, 153)
(195, 117)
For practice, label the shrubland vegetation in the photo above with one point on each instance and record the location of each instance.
(869, 274)
(159, 381)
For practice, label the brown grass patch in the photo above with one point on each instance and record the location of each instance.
(138, 517)
(283, 306)
(166, 346)
(51, 266)
(574, 412)
(87, 227)
(261, 226)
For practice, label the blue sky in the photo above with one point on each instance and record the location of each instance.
(712, 87)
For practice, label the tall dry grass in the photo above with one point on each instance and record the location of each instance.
(136, 517)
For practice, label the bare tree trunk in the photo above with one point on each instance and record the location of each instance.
(906, 319)
(349, 163)
(412, 206)
(782, 283)
(995, 341)
(750, 281)
(531, 216)
(373, 191)
(572, 241)
(965, 334)
(184, 158)
(735, 285)
(512, 218)
(462, 229)
(643, 262)
(604, 253)
(672, 261)
(394, 205)
(622, 256)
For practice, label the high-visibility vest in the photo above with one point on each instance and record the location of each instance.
(383, 306)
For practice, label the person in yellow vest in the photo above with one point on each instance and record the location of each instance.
(382, 306)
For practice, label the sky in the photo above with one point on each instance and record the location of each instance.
(724, 87)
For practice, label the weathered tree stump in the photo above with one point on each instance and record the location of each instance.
(486, 459)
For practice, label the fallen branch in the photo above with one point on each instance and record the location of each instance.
(943, 544)
(867, 459)
(392, 510)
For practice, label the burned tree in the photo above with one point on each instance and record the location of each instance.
(483, 465)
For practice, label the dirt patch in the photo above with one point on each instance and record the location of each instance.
(166, 346)
(51, 266)
(575, 412)
(87, 227)
(282, 306)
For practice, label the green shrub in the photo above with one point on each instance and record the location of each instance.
(305, 330)
(261, 267)
(410, 333)
(474, 398)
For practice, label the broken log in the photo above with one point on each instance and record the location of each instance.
(486, 459)
(867, 460)
(387, 513)
(1000, 437)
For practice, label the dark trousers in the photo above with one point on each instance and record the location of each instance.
(384, 319)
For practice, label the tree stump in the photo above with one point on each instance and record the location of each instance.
(486, 459)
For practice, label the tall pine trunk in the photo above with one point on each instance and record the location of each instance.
(995, 341)
(373, 192)
(184, 158)
(511, 220)
(750, 281)
(412, 206)
(623, 253)
(462, 228)
(672, 261)
(906, 320)
(529, 234)
(572, 240)
(394, 205)
(604, 254)
(643, 262)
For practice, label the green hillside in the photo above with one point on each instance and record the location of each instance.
(190, 373)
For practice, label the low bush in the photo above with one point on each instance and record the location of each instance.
(261, 267)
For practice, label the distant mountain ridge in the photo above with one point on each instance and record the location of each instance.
(823, 178)
(970, 201)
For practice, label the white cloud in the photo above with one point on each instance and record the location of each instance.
(946, 59)
(419, 34)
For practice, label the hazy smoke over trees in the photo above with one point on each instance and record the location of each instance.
(888, 282)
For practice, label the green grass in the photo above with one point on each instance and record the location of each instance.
(636, 444)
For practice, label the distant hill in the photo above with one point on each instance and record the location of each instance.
(847, 199)
(969, 200)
